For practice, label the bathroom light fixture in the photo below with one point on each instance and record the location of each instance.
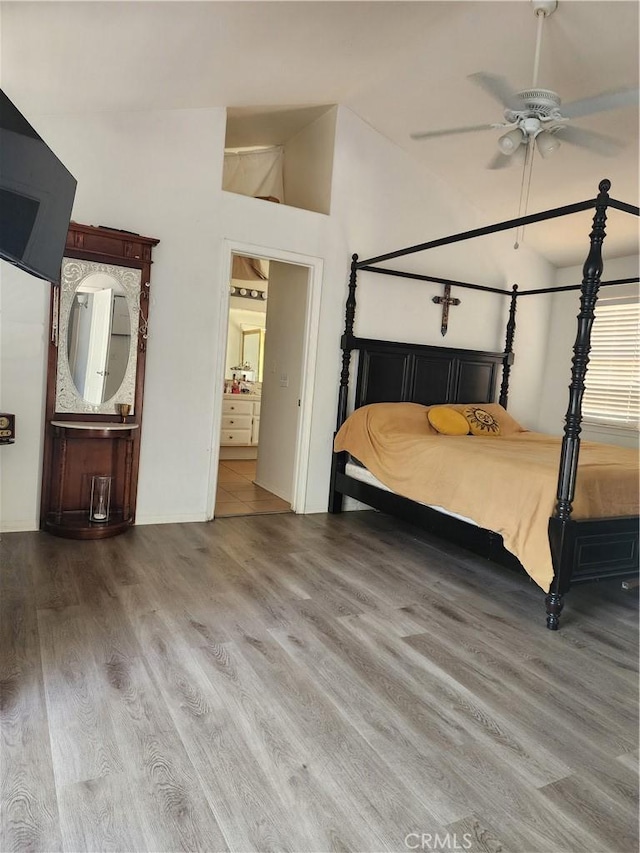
(247, 294)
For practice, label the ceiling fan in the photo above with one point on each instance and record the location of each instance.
(538, 114)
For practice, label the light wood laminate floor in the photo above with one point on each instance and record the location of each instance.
(307, 683)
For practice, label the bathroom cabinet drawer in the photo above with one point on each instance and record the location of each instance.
(237, 407)
(235, 422)
(235, 436)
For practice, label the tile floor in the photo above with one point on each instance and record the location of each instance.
(238, 494)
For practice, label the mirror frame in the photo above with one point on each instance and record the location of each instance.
(74, 272)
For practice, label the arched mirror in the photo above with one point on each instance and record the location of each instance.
(98, 337)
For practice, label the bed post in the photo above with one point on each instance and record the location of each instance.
(558, 539)
(340, 459)
(508, 348)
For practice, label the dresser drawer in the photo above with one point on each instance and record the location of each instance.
(256, 409)
(235, 422)
(235, 436)
(237, 407)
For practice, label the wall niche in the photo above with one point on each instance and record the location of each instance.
(281, 154)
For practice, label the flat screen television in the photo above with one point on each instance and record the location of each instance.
(36, 197)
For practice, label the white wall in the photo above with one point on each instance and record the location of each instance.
(308, 164)
(562, 332)
(24, 331)
(381, 200)
(283, 355)
(159, 173)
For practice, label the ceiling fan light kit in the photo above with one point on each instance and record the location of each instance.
(510, 141)
(547, 143)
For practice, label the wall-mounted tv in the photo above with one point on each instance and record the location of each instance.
(36, 197)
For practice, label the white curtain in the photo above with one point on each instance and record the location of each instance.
(255, 173)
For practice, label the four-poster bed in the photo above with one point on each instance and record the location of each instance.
(581, 549)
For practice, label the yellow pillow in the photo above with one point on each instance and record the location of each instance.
(447, 421)
(480, 421)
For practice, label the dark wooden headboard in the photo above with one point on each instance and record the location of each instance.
(390, 372)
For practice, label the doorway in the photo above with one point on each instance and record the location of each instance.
(266, 367)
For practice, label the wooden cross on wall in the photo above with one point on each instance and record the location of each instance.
(445, 301)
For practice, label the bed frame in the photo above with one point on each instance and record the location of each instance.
(391, 371)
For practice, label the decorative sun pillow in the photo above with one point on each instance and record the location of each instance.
(480, 421)
(508, 425)
(447, 421)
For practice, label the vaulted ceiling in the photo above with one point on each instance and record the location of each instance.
(402, 67)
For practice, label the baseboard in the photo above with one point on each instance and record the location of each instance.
(31, 525)
(19, 526)
(273, 490)
(143, 520)
(229, 453)
(312, 510)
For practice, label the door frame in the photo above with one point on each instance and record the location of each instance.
(314, 266)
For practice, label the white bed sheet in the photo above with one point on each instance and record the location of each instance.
(365, 476)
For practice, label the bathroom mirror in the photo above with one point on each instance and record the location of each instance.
(253, 351)
(99, 316)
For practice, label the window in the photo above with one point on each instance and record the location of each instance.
(612, 383)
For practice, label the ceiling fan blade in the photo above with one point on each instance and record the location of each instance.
(453, 130)
(497, 87)
(598, 142)
(601, 103)
(502, 161)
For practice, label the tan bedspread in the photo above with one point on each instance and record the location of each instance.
(507, 483)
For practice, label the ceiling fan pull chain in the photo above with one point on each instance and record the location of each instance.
(516, 245)
(525, 187)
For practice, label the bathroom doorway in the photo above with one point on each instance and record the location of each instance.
(238, 493)
(270, 340)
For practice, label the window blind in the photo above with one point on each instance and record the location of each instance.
(612, 383)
